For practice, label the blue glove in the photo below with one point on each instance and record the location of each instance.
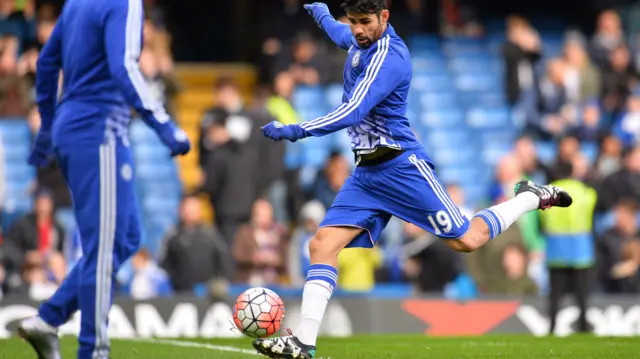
(42, 150)
(277, 131)
(174, 138)
(317, 10)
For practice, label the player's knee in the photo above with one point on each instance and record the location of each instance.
(323, 246)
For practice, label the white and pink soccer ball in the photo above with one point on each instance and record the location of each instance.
(258, 312)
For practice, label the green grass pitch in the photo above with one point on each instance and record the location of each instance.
(369, 347)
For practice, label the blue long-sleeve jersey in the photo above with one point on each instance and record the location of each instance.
(376, 87)
(96, 44)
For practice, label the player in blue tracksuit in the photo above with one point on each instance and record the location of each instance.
(393, 175)
(96, 44)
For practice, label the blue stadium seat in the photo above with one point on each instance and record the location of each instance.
(153, 153)
(292, 154)
(16, 152)
(308, 96)
(477, 82)
(493, 152)
(453, 156)
(442, 119)
(333, 95)
(140, 133)
(460, 175)
(489, 118)
(315, 153)
(450, 138)
(19, 171)
(475, 195)
(497, 136)
(424, 42)
(152, 171)
(67, 219)
(437, 101)
(158, 205)
(456, 49)
(15, 132)
(546, 151)
(471, 65)
(168, 189)
(433, 83)
(428, 63)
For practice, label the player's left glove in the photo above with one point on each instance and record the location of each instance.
(277, 131)
(42, 150)
(318, 11)
(174, 138)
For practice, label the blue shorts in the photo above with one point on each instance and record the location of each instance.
(405, 187)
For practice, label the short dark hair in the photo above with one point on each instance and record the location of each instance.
(364, 6)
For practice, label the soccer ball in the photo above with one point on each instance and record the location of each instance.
(258, 312)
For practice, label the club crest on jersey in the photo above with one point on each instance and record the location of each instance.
(355, 61)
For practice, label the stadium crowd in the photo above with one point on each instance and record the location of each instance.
(267, 209)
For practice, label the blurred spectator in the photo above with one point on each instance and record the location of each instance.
(626, 271)
(568, 149)
(157, 66)
(193, 253)
(618, 79)
(532, 167)
(260, 248)
(329, 181)
(555, 113)
(623, 184)
(311, 214)
(35, 283)
(37, 232)
(570, 246)
(278, 22)
(513, 278)
(591, 127)
(521, 52)
(508, 173)
(242, 124)
(627, 128)
(231, 177)
(429, 263)
(610, 245)
(336, 58)
(610, 156)
(279, 103)
(607, 38)
(456, 193)
(357, 268)
(2, 276)
(582, 79)
(49, 175)
(149, 281)
(305, 62)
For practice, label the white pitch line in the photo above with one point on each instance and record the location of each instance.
(222, 348)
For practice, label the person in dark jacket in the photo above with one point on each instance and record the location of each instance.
(194, 253)
(521, 53)
(35, 232)
(622, 184)
(232, 179)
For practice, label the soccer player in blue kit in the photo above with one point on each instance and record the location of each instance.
(393, 176)
(96, 44)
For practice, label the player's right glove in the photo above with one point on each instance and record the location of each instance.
(42, 150)
(318, 11)
(174, 138)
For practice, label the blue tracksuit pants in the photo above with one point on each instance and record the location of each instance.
(101, 182)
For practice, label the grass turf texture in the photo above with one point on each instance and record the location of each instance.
(388, 346)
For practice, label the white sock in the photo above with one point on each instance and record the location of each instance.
(503, 215)
(321, 280)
